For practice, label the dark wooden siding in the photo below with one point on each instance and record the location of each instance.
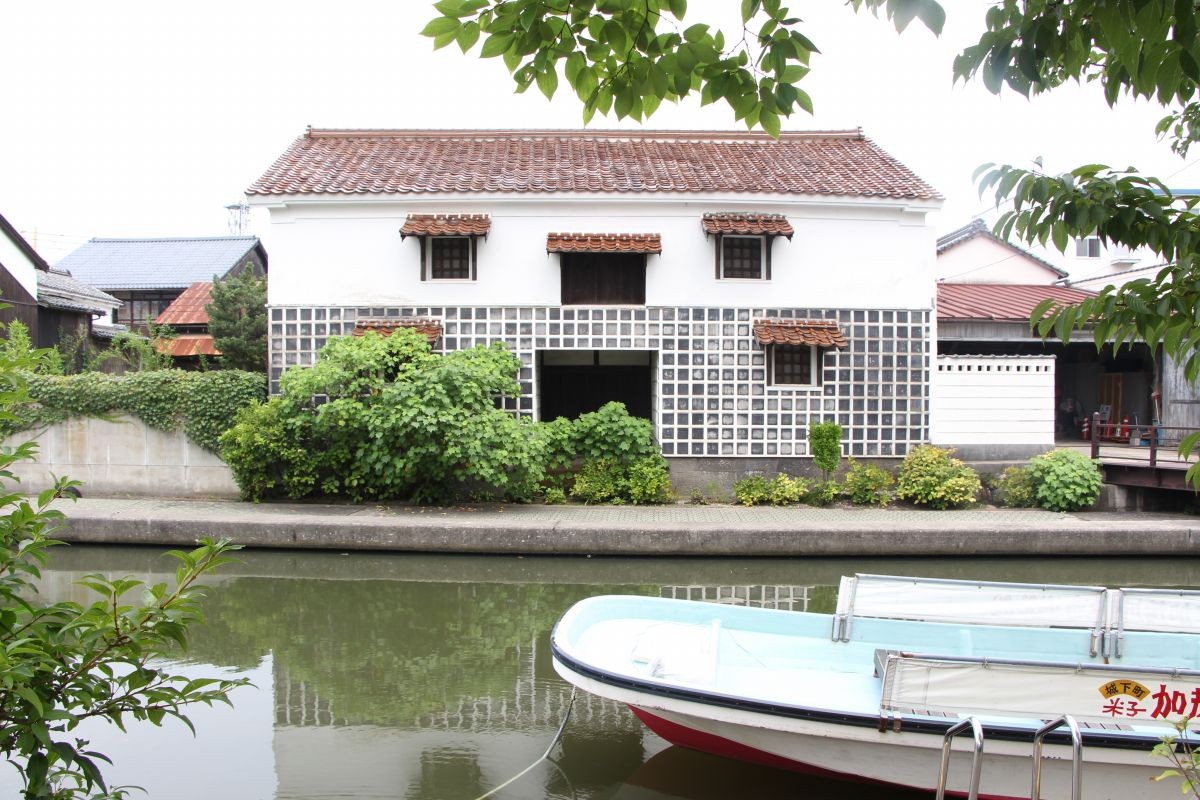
(21, 306)
(603, 279)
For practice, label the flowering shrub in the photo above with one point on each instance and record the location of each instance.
(931, 476)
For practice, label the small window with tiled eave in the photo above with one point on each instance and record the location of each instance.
(744, 257)
(450, 258)
(794, 365)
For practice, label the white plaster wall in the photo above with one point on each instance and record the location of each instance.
(19, 265)
(122, 456)
(993, 400)
(983, 260)
(844, 254)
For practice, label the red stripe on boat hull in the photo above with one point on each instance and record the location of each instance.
(693, 739)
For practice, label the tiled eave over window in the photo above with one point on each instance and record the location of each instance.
(446, 225)
(604, 243)
(431, 328)
(747, 225)
(799, 332)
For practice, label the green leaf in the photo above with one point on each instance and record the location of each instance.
(548, 82)
(495, 45)
(440, 26)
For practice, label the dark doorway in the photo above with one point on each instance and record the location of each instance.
(603, 279)
(574, 382)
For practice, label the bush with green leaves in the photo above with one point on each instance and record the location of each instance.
(932, 476)
(643, 481)
(381, 417)
(752, 490)
(1014, 488)
(823, 493)
(1065, 480)
(204, 404)
(868, 484)
(825, 444)
(788, 491)
(612, 433)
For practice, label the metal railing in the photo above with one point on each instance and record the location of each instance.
(1035, 791)
(1133, 434)
(976, 758)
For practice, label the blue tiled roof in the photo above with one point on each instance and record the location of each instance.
(156, 263)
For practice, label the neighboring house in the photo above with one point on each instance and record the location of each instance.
(51, 303)
(731, 287)
(187, 317)
(987, 291)
(146, 275)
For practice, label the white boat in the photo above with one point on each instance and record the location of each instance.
(871, 691)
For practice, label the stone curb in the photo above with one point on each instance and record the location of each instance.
(618, 532)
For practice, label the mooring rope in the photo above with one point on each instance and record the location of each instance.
(545, 755)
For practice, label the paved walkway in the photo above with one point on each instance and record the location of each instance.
(629, 530)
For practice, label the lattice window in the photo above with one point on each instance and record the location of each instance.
(742, 257)
(793, 365)
(450, 258)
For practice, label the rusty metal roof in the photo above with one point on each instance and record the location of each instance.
(998, 302)
(188, 344)
(190, 307)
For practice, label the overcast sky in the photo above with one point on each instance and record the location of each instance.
(147, 118)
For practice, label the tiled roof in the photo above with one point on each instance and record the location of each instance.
(816, 332)
(446, 225)
(999, 302)
(189, 307)
(830, 163)
(188, 344)
(748, 224)
(432, 328)
(978, 227)
(604, 243)
(108, 332)
(59, 290)
(157, 263)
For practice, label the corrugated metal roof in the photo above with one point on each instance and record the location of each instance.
(189, 307)
(59, 290)
(999, 302)
(156, 263)
(188, 344)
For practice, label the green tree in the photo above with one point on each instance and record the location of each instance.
(237, 320)
(628, 56)
(62, 663)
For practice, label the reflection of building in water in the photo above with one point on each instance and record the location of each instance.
(788, 598)
(537, 702)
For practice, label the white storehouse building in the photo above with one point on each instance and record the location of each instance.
(731, 287)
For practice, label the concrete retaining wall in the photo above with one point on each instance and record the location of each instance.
(122, 456)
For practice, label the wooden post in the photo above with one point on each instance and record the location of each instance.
(1153, 445)
(1095, 434)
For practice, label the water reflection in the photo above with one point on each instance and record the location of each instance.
(429, 678)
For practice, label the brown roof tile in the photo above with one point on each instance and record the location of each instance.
(833, 163)
(446, 225)
(999, 302)
(187, 344)
(748, 224)
(604, 243)
(189, 307)
(432, 328)
(817, 332)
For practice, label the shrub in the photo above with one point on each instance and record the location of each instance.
(823, 493)
(788, 491)
(931, 476)
(648, 481)
(641, 482)
(554, 496)
(753, 490)
(825, 444)
(612, 433)
(868, 484)
(1015, 488)
(1065, 480)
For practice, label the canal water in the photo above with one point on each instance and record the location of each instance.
(429, 677)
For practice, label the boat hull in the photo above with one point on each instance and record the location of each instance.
(901, 758)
